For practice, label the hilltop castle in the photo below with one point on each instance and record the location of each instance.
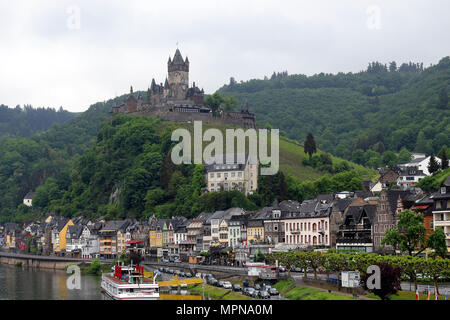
(176, 101)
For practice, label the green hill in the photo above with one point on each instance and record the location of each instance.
(26, 121)
(123, 169)
(380, 109)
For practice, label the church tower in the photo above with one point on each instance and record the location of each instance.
(178, 76)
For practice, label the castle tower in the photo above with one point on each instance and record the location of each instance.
(178, 76)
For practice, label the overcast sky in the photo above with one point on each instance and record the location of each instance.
(75, 53)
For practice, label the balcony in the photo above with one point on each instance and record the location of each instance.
(355, 228)
(353, 240)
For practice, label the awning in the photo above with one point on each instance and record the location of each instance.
(134, 242)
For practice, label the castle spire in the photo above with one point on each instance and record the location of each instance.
(166, 84)
(131, 90)
(178, 59)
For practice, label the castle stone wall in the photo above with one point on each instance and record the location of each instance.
(243, 121)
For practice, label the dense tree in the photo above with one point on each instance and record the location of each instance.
(390, 281)
(443, 99)
(340, 109)
(433, 166)
(310, 145)
(436, 241)
(408, 235)
(444, 160)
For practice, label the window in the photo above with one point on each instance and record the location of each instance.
(233, 174)
(240, 174)
(219, 175)
(275, 227)
(211, 175)
(438, 205)
(443, 190)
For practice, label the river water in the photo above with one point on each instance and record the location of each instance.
(17, 283)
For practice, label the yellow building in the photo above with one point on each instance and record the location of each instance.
(62, 230)
(156, 239)
(223, 232)
(121, 241)
(255, 231)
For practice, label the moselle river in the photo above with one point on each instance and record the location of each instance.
(20, 283)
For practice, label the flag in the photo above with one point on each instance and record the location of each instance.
(428, 293)
(436, 295)
(417, 294)
(446, 293)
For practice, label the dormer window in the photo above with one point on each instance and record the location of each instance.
(443, 190)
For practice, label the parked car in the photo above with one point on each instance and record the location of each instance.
(263, 294)
(237, 287)
(177, 260)
(266, 287)
(273, 292)
(171, 271)
(255, 294)
(257, 287)
(227, 285)
(250, 292)
(245, 291)
(220, 283)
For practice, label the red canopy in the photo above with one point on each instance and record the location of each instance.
(134, 241)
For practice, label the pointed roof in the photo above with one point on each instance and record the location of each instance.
(29, 195)
(166, 84)
(178, 59)
(446, 182)
(275, 205)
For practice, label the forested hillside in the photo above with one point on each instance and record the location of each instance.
(382, 108)
(26, 121)
(129, 173)
(26, 163)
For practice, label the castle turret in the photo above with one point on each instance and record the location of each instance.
(178, 76)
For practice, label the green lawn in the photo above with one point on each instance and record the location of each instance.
(408, 295)
(217, 293)
(288, 289)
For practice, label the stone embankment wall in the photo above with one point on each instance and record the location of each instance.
(242, 121)
(37, 261)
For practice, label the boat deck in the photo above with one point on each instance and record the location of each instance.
(118, 281)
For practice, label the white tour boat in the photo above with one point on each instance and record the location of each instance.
(129, 283)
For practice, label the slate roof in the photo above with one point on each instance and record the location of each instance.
(325, 197)
(29, 195)
(356, 212)
(204, 217)
(342, 204)
(446, 182)
(405, 195)
(116, 225)
(75, 231)
(224, 166)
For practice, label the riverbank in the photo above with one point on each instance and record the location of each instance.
(289, 290)
(215, 293)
